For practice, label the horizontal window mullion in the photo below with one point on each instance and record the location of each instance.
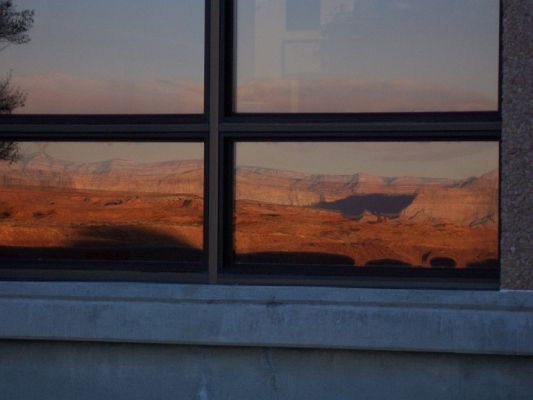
(103, 132)
(366, 118)
(252, 277)
(127, 127)
(339, 132)
(87, 273)
(100, 119)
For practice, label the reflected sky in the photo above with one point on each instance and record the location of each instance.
(117, 56)
(455, 160)
(397, 54)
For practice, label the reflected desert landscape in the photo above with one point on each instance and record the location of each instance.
(106, 210)
(289, 217)
(138, 208)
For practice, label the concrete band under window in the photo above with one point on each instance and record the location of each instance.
(299, 317)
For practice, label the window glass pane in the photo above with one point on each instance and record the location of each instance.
(366, 55)
(101, 201)
(109, 57)
(416, 204)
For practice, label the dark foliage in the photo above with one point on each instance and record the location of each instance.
(14, 24)
(9, 151)
(10, 97)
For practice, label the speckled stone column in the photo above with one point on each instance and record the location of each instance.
(517, 145)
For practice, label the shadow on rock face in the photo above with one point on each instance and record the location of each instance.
(120, 243)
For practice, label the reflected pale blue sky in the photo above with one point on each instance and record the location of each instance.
(444, 51)
(126, 54)
(109, 39)
(455, 160)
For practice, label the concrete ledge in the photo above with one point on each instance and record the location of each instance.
(472, 322)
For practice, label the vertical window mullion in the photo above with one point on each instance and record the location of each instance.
(213, 142)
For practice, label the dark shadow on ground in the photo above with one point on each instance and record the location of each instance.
(442, 262)
(125, 243)
(307, 258)
(488, 263)
(387, 262)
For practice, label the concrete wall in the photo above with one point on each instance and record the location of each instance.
(175, 341)
(44, 370)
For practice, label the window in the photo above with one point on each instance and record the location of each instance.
(103, 201)
(348, 56)
(416, 205)
(120, 57)
(346, 142)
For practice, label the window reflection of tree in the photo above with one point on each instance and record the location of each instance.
(14, 26)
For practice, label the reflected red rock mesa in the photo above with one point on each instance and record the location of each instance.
(353, 95)
(71, 94)
(422, 222)
(115, 209)
(155, 211)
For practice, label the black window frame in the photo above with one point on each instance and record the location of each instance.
(219, 128)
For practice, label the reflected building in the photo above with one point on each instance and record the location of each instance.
(363, 56)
